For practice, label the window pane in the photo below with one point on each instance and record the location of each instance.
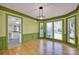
(49, 30)
(58, 30)
(71, 30)
(41, 30)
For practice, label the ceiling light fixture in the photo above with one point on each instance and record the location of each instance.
(40, 13)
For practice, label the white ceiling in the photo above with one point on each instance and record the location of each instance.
(49, 9)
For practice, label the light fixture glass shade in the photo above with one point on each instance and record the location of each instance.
(41, 13)
(40, 17)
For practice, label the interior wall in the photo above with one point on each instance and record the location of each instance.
(30, 26)
(3, 45)
(78, 27)
(2, 24)
(30, 29)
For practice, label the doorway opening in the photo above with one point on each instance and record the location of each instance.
(14, 31)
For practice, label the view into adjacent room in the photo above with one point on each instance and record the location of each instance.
(14, 31)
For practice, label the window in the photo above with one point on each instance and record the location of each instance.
(71, 30)
(58, 30)
(41, 30)
(49, 30)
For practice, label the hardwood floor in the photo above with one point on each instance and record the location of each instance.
(41, 47)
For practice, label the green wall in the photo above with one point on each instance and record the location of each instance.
(2, 31)
(30, 28)
(2, 24)
(78, 27)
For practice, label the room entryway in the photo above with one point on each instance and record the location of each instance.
(14, 31)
